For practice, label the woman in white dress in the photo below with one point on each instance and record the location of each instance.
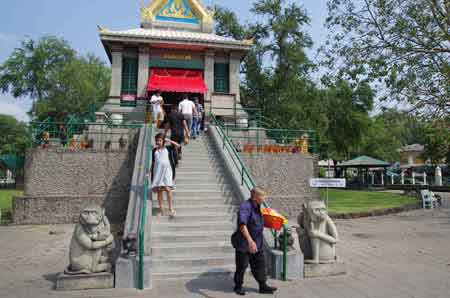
(162, 170)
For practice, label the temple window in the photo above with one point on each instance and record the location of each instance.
(221, 78)
(129, 75)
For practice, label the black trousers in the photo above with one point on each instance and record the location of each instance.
(257, 266)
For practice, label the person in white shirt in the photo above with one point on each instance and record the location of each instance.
(157, 103)
(187, 108)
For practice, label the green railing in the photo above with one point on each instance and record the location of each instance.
(92, 135)
(248, 182)
(146, 194)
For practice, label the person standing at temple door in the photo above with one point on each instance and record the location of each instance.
(157, 103)
(248, 243)
(187, 108)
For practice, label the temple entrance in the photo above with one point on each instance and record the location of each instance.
(174, 83)
(174, 98)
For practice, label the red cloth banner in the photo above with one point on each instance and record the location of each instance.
(176, 80)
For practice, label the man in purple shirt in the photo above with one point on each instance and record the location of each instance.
(248, 242)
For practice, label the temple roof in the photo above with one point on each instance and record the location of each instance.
(174, 36)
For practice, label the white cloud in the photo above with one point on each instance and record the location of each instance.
(15, 107)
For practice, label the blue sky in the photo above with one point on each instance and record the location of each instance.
(77, 21)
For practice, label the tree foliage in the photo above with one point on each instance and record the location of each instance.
(401, 46)
(59, 81)
(13, 136)
(277, 78)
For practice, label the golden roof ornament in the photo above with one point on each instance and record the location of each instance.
(146, 14)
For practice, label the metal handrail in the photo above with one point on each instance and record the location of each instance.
(247, 181)
(145, 197)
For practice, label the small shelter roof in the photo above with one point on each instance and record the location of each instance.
(412, 148)
(364, 162)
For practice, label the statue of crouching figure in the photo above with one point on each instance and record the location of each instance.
(91, 243)
(318, 234)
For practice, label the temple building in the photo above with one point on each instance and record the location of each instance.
(175, 51)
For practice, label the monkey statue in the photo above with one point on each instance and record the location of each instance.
(318, 234)
(91, 242)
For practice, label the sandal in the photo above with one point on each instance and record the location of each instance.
(172, 213)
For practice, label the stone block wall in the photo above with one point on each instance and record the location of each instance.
(286, 179)
(59, 182)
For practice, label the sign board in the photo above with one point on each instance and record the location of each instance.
(327, 182)
(128, 97)
(177, 57)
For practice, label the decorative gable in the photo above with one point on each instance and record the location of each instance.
(177, 11)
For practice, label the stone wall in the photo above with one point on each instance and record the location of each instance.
(58, 183)
(285, 177)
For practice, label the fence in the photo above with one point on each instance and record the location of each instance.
(81, 136)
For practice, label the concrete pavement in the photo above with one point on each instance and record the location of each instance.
(403, 255)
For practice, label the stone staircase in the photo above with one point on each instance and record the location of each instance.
(196, 242)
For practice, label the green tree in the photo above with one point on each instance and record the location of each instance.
(58, 80)
(277, 79)
(82, 82)
(347, 111)
(31, 68)
(14, 136)
(401, 46)
(437, 142)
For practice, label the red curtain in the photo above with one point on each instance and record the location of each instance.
(176, 80)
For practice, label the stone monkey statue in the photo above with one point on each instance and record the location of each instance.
(91, 242)
(318, 233)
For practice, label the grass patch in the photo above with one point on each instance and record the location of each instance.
(6, 199)
(347, 201)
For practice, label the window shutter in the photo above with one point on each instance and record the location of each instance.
(129, 75)
(221, 78)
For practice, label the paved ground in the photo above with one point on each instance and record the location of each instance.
(403, 255)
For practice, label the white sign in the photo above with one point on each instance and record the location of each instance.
(326, 182)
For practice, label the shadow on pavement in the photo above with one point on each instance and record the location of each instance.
(52, 278)
(206, 283)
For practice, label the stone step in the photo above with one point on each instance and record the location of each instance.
(198, 168)
(200, 171)
(206, 217)
(193, 226)
(201, 193)
(190, 263)
(194, 202)
(205, 249)
(198, 210)
(199, 174)
(170, 237)
(200, 186)
(188, 179)
(200, 272)
(193, 164)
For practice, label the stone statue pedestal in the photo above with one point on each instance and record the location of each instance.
(294, 264)
(66, 282)
(325, 269)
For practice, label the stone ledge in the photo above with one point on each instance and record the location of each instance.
(65, 282)
(321, 270)
(43, 210)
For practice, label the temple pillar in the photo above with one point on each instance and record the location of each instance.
(235, 65)
(116, 72)
(143, 71)
(209, 79)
